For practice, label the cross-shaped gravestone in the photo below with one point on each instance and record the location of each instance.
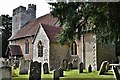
(45, 68)
(35, 71)
(103, 67)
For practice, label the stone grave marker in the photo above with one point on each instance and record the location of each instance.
(70, 65)
(80, 67)
(56, 74)
(24, 66)
(17, 63)
(45, 68)
(5, 73)
(75, 63)
(60, 72)
(89, 68)
(107, 67)
(103, 67)
(35, 71)
(116, 73)
(63, 65)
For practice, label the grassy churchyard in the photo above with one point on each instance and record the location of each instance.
(73, 75)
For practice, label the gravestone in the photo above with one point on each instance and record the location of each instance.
(60, 72)
(45, 68)
(56, 74)
(24, 66)
(17, 63)
(35, 71)
(63, 65)
(5, 73)
(107, 67)
(89, 68)
(70, 65)
(116, 73)
(80, 67)
(103, 67)
(75, 63)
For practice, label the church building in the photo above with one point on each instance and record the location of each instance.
(37, 39)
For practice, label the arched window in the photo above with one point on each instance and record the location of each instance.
(74, 48)
(26, 47)
(40, 49)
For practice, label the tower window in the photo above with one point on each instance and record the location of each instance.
(26, 47)
(40, 49)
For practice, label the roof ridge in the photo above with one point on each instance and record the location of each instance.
(51, 25)
(43, 15)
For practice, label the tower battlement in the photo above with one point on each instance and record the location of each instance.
(21, 16)
(31, 6)
(18, 10)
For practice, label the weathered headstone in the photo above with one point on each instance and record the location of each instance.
(45, 68)
(80, 67)
(63, 65)
(17, 63)
(60, 72)
(89, 68)
(5, 62)
(56, 74)
(24, 66)
(116, 73)
(107, 67)
(103, 67)
(75, 63)
(70, 65)
(35, 71)
(5, 73)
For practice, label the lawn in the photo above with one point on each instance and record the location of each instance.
(73, 75)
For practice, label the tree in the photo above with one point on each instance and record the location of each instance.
(6, 31)
(79, 18)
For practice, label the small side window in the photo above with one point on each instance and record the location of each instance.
(27, 47)
(40, 49)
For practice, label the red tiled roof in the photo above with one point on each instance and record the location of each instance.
(15, 50)
(51, 31)
(31, 27)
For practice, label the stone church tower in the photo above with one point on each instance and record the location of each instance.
(21, 16)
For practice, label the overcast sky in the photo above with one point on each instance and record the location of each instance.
(7, 6)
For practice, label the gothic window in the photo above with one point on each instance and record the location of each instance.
(26, 47)
(74, 48)
(40, 49)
